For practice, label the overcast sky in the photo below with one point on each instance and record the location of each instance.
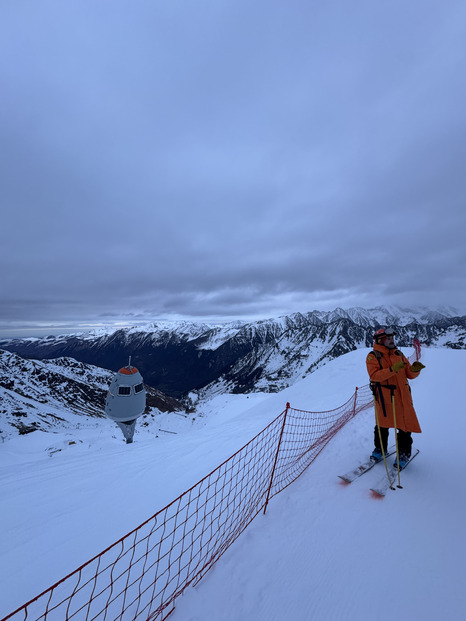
(213, 159)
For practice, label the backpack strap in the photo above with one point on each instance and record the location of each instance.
(378, 355)
(376, 387)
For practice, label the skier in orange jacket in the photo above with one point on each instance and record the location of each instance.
(389, 371)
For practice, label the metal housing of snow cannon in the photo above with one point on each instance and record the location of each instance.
(126, 400)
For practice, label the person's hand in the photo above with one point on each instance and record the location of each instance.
(398, 365)
(417, 366)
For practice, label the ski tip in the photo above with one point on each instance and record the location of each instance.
(343, 481)
(377, 495)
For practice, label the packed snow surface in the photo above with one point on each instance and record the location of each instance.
(322, 551)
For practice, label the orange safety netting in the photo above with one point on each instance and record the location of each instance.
(140, 576)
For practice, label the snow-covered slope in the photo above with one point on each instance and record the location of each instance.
(322, 551)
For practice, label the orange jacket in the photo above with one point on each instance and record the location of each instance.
(380, 372)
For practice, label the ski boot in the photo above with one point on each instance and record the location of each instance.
(377, 455)
(402, 462)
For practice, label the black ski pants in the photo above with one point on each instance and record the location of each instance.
(405, 440)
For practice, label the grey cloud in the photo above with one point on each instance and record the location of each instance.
(229, 158)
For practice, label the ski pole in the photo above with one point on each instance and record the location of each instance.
(381, 443)
(396, 439)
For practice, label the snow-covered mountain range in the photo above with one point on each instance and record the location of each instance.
(56, 394)
(183, 358)
(44, 380)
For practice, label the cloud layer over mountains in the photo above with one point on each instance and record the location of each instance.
(228, 159)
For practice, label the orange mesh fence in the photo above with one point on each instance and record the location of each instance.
(305, 435)
(140, 576)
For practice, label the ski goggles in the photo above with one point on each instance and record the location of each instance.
(381, 334)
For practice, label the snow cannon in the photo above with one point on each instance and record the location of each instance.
(126, 400)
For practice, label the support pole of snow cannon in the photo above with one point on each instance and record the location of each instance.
(285, 413)
(380, 441)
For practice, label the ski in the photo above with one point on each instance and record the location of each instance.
(350, 476)
(384, 484)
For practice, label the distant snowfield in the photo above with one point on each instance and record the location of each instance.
(323, 550)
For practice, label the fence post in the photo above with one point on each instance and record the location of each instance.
(276, 456)
(355, 400)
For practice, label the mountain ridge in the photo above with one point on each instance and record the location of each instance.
(181, 358)
(381, 314)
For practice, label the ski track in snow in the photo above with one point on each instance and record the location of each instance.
(323, 550)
